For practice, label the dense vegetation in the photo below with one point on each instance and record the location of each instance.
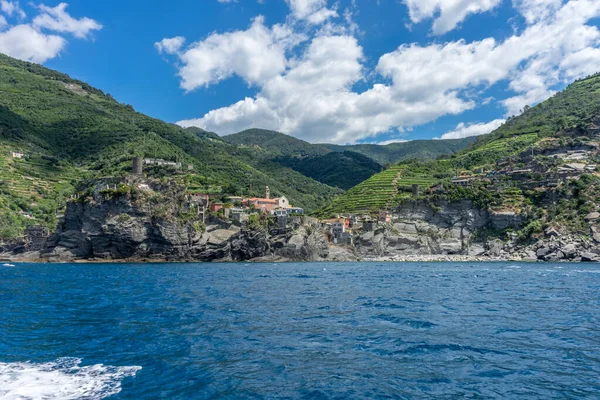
(344, 170)
(413, 150)
(567, 121)
(69, 130)
(335, 165)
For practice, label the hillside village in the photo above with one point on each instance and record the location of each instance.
(547, 164)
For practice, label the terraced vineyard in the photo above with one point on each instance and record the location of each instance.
(371, 195)
(32, 188)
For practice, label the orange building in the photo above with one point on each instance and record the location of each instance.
(264, 205)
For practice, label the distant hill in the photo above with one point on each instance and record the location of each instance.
(337, 165)
(411, 150)
(524, 168)
(342, 169)
(69, 131)
(276, 143)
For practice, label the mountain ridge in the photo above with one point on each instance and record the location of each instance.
(343, 166)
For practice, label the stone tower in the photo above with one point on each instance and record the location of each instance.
(267, 193)
(415, 190)
(137, 165)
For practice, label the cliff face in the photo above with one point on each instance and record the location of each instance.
(460, 228)
(419, 229)
(137, 219)
(140, 220)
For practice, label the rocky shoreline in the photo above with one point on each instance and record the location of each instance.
(36, 257)
(146, 225)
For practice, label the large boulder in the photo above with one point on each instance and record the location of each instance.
(506, 219)
(543, 252)
(589, 257)
(249, 244)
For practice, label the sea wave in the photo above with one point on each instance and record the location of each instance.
(61, 379)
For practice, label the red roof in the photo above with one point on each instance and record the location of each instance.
(262, 201)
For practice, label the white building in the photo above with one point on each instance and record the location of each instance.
(283, 202)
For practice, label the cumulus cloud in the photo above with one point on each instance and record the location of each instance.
(392, 141)
(313, 11)
(581, 63)
(3, 22)
(58, 20)
(447, 13)
(11, 8)
(314, 100)
(31, 42)
(311, 93)
(170, 45)
(537, 10)
(27, 43)
(256, 54)
(463, 130)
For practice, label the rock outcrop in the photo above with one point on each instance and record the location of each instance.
(140, 220)
(446, 229)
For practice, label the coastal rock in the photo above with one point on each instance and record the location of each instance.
(589, 257)
(543, 252)
(249, 244)
(570, 250)
(506, 219)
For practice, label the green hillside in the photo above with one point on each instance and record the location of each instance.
(336, 165)
(412, 150)
(565, 123)
(70, 130)
(275, 143)
(342, 169)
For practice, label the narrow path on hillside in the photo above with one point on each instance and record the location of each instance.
(395, 183)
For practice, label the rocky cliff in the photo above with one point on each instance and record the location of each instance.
(138, 219)
(419, 228)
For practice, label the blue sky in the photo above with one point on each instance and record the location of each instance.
(322, 70)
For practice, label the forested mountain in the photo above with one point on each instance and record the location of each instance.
(337, 165)
(540, 167)
(69, 130)
(411, 150)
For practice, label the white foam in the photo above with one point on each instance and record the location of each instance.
(61, 379)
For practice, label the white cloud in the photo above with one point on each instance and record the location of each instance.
(58, 20)
(391, 141)
(314, 100)
(227, 1)
(537, 10)
(447, 13)
(313, 11)
(532, 60)
(581, 64)
(463, 130)
(30, 42)
(311, 95)
(256, 55)
(170, 45)
(12, 7)
(27, 43)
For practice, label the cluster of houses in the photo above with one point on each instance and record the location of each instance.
(343, 228)
(579, 164)
(242, 206)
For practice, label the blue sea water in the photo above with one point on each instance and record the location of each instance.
(300, 331)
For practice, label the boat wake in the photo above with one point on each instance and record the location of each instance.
(61, 379)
